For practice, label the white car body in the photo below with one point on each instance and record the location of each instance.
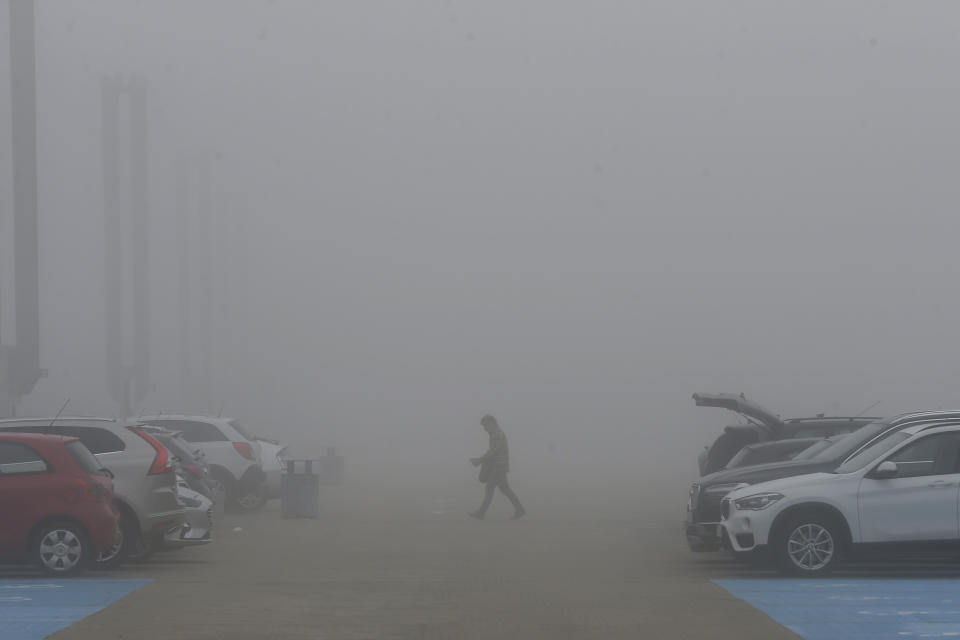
(866, 506)
(273, 462)
(233, 457)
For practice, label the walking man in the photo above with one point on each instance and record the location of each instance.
(494, 466)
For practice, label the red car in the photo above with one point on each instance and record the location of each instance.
(56, 502)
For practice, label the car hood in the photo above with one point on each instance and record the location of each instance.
(764, 472)
(739, 404)
(785, 485)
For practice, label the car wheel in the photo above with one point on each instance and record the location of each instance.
(141, 549)
(252, 500)
(808, 545)
(118, 552)
(61, 548)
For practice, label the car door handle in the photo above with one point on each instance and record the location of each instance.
(939, 484)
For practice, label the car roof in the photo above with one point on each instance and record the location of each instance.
(938, 427)
(65, 421)
(184, 416)
(38, 439)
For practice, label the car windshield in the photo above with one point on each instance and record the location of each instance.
(873, 452)
(816, 449)
(845, 446)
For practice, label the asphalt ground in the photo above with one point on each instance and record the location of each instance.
(401, 560)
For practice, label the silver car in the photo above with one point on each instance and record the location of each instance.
(144, 481)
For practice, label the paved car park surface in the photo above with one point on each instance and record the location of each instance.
(37, 608)
(402, 561)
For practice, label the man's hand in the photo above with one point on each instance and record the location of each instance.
(476, 462)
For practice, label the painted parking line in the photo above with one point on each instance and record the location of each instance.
(876, 609)
(35, 609)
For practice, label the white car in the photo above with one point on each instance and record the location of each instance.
(902, 491)
(233, 456)
(273, 459)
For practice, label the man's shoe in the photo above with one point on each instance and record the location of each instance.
(476, 514)
(519, 514)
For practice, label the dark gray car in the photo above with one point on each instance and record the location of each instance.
(703, 505)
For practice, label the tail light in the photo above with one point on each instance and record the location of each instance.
(161, 461)
(245, 449)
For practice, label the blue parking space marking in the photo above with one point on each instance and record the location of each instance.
(35, 609)
(876, 609)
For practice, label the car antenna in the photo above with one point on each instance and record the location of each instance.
(868, 408)
(220, 413)
(62, 407)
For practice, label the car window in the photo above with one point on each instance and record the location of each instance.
(921, 458)
(871, 453)
(814, 450)
(813, 432)
(16, 458)
(97, 439)
(193, 431)
(83, 457)
(241, 429)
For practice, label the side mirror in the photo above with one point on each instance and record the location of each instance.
(885, 470)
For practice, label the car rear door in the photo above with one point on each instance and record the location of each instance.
(921, 502)
(26, 489)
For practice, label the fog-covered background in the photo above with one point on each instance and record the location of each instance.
(570, 214)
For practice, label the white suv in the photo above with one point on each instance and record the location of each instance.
(233, 456)
(902, 491)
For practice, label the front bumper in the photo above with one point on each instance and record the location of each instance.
(703, 536)
(747, 530)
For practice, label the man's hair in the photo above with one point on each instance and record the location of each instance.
(489, 421)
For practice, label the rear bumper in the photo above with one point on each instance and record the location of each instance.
(158, 525)
(103, 527)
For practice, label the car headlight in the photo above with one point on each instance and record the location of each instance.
(757, 502)
(724, 489)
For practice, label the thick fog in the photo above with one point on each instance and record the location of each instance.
(572, 215)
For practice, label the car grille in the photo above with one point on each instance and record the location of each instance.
(707, 507)
(725, 508)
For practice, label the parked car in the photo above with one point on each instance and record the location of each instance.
(190, 462)
(144, 484)
(702, 524)
(767, 452)
(198, 511)
(899, 492)
(762, 425)
(273, 461)
(56, 503)
(233, 456)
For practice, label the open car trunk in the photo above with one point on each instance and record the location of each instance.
(764, 425)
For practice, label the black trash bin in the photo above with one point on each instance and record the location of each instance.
(300, 490)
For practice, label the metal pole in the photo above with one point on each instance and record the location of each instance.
(26, 363)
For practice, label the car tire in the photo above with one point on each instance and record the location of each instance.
(252, 500)
(117, 554)
(61, 548)
(808, 544)
(141, 550)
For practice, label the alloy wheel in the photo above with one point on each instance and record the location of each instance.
(810, 547)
